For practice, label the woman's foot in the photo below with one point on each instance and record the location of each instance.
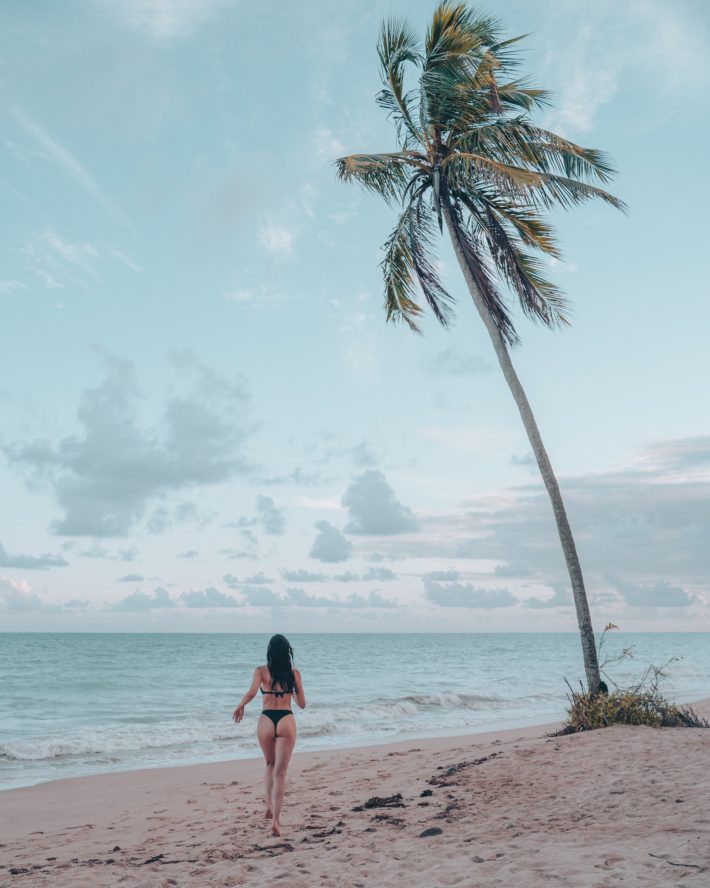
(275, 828)
(269, 814)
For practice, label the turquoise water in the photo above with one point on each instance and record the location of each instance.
(75, 704)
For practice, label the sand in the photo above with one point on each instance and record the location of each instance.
(620, 806)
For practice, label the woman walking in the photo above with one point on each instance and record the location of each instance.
(278, 681)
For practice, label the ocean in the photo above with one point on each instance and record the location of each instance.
(73, 704)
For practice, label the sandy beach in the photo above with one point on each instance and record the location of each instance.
(618, 806)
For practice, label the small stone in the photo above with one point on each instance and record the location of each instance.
(432, 831)
(427, 792)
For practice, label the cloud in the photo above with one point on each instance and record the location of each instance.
(258, 579)
(561, 597)
(330, 545)
(372, 574)
(441, 575)
(374, 509)
(189, 554)
(104, 476)
(30, 562)
(660, 594)
(209, 597)
(140, 601)
(327, 145)
(166, 20)
(131, 578)
(9, 288)
(303, 576)
(163, 519)
(276, 240)
(301, 598)
(64, 159)
(270, 517)
(589, 58)
(452, 362)
(380, 574)
(466, 595)
(363, 455)
(17, 595)
(258, 596)
(647, 520)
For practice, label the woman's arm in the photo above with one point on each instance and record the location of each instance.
(300, 696)
(238, 713)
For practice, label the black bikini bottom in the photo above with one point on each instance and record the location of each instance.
(276, 715)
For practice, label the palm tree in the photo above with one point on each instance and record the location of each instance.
(471, 158)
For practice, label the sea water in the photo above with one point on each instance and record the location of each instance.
(73, 704)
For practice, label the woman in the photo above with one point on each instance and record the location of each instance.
(278, 681)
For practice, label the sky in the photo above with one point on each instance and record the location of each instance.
(207, 424)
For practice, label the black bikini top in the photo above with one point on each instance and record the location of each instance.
(275, 693)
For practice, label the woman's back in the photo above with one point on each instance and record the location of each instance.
(274, 696)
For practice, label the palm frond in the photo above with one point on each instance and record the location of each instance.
(516, 141)
(532, 230)
(483, 275)
(467, 171)
(384, 174)
(456, 43)
(408, 260)
(539, 298)
(396, 47)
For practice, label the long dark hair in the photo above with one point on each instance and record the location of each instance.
(279, 659)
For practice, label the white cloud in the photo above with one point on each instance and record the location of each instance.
(65, 159)
(327, 145)
(276, 239)
(17, 595)
(590, 56)
(55, 259)
(9, 288)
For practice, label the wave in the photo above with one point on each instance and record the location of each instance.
(131, 740)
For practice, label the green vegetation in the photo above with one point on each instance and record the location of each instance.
(640, 704)
(627, 707)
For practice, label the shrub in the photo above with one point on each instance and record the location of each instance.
(642, 704)
(587, 711)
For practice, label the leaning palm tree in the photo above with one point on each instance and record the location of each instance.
(469, 157)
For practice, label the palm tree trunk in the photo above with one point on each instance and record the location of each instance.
(584, 620)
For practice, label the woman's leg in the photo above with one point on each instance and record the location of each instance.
(265, 733)
(285, 742)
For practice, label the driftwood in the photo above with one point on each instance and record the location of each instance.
(394, 801)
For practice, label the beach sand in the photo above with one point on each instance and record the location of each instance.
(620, 806)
